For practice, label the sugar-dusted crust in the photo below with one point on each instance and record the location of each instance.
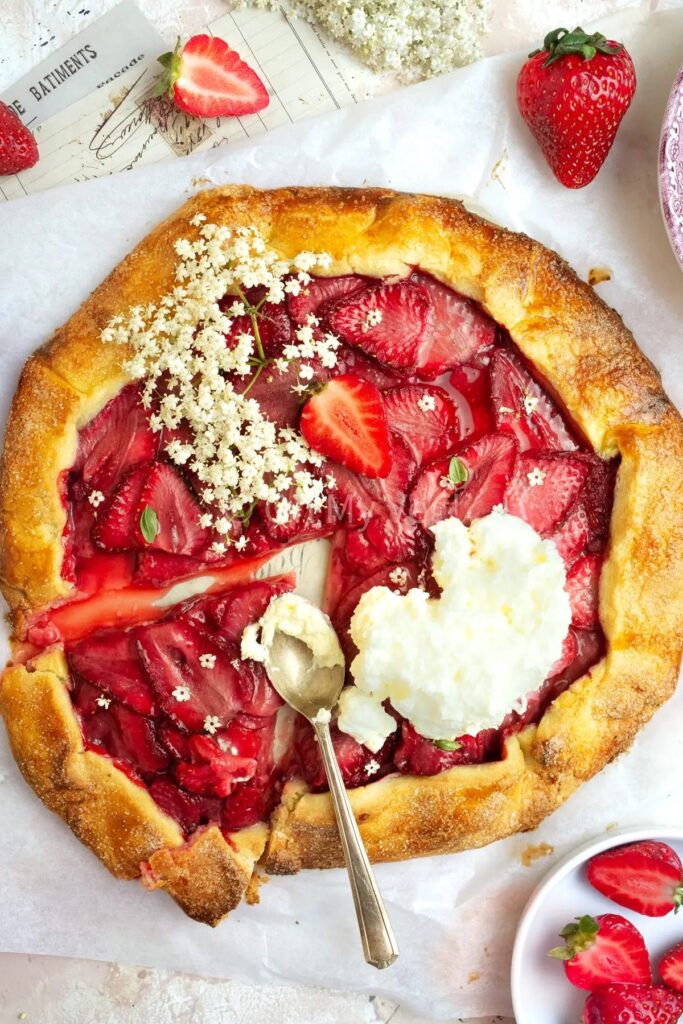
(114, 816)
(587, 357)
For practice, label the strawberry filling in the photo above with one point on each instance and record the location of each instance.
(458, 425)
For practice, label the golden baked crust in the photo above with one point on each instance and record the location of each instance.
(588, 359)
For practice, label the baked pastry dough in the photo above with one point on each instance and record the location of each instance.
(587, 358)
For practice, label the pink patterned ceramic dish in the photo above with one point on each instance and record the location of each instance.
(671, 167)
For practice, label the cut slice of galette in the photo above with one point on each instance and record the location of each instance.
(495, 468)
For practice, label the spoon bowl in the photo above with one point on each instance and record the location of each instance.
(305, 686)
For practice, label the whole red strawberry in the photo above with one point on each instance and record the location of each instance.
(633, 1004)
(205, 78)
(604, 949)
(18, 149)
(573, 94)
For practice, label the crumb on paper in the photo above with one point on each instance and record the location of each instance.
(201, 180)
(22, 1015)
(499, 167)
(598, 274)
(252, 895)
(611, 826)
(472, 977)
(531, 853)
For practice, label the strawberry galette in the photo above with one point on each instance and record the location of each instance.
(491, 458)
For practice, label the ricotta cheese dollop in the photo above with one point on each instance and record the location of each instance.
(459, 663)
(296, 617)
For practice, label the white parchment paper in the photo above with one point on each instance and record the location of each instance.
(454, 917)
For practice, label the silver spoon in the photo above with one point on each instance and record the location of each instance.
(313, 691)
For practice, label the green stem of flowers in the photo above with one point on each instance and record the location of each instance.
(253, 380)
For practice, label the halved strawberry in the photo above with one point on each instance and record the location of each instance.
(472, 399)
(116, 527)
(108, 660)
(188, 691)
(320, 291)
(346, 421)
(602, 950)
(543, 488)
(177, 513)
(671, 968)
(207, 79)
(646, 877)
(114, 441)
(426, 419)
(489, 464)
(457, 328)
(190, 810)
(633, 1004)
(583, 580)
(523, 407)
(387, 321)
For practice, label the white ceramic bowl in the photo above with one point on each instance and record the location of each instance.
(541, 993)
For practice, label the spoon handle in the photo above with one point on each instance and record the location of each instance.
(379, 944)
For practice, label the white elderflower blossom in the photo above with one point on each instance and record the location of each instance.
(414, 40)
(96, 498)
(212, 724)
(180, 353)
(427, 402)
(207, 660)
(536, 477)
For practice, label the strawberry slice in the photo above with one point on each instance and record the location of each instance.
(426, 419)
(114, 441)
(602, 950)
(671, 968)
(108, 661)
(417, 755)
(489, 464)
(116, 529)
(360, 554)
(393, 533)
(187, 690)
(523, 407)
(231, 613)
(346, 421)
(353, 361)
(646, 877)
(120, 732)
(543, 488)
(178, 530)
(353, 758)
(349, 501)
(571, 537)
(274, 391)
(472, 399)
(189, 809)
(207, 79)
(159, 567)
(322, 291)
(384, 577)
(387, 322)
(583, 580)
(457, 329)
(633, 1004)
(213, 772)
(275, 327)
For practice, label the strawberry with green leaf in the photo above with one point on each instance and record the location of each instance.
(206, 78)
(573, 95)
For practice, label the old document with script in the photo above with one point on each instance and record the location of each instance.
(93, 112)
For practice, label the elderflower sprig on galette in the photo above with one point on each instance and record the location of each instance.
(182, 357)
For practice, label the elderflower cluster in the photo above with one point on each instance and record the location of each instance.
(412, 38)
(237, 455)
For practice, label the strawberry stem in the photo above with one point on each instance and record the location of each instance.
(560, 43)
(171, 62)
(579, 936)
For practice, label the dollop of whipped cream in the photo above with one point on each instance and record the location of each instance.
(459, 663)
(296, 617)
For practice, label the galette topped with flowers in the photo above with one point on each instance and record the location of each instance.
(477, 441)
